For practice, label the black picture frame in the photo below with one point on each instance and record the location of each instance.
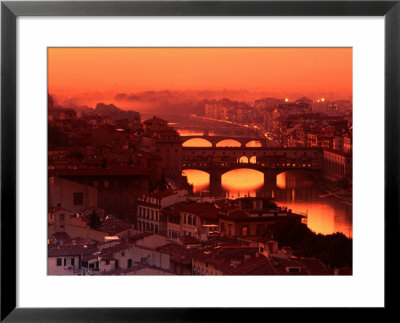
(11, 10)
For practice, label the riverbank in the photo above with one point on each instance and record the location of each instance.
(340, 191)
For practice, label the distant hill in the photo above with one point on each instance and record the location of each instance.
(115, 112)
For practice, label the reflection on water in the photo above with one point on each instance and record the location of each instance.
(242, 182)
(199, 179)
(293, 190)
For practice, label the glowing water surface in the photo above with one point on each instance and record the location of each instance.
(293, 190)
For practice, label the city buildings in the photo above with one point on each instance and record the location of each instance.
(119, 205)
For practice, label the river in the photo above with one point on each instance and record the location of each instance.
(295, 190)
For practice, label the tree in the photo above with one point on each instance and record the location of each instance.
(334, 249)
(94, 221)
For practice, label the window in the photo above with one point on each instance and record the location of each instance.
(59, 261)
(78, 198)
(72, 261)
(65, 261)
(62, 217)
(107, 262)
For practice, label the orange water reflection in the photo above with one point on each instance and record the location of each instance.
(321, 217)
(242, 182)
(281, 181)
(199, 179)
(324, 216)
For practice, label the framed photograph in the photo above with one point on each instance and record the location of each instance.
(197, 158)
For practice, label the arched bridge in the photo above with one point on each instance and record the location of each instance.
(216, 140)
(269, 160)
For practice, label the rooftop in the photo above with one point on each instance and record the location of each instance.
(70, 250)
(178, 253)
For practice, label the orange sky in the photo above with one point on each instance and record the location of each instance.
(306, 70)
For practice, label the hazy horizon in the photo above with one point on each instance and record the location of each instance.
(89, 75)
(152, 100)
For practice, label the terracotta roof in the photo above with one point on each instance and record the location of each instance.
(139, 236)
(247, 261)
(162, 194)
(114, 226)
(117, 248)
(205, 210)
(70, 250)
(178, 253)
(189, 240)
(308, 266)
(80, 240)
(222, 241)
(136, 267)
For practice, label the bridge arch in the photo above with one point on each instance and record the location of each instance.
(229, 143)
(254, 143)
(197, 142)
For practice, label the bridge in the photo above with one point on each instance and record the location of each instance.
(215, 140)
(269, 160)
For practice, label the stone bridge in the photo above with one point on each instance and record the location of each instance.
(269, 160)
(215, 140)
